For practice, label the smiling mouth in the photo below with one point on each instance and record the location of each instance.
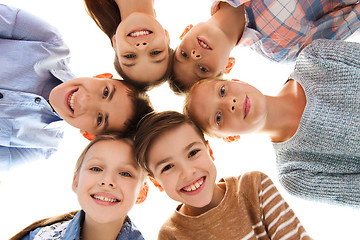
(140, 33)
(71, 100)
(203, 44)
(194, 186)
(246, 106)
(105, 199)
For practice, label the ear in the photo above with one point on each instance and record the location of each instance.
(167, 35)
(75, 183)
(186, 30)
(87, 135)
(104, 75)
(230, 139)
(156, 183)
(211, 153)
(230, 65)
(142, 194)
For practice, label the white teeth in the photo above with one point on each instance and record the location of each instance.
(194, 186)
(139, 33)
(105, 199)
(71, 100)
(203, 44)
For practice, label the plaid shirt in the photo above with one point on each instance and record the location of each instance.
(280, 29)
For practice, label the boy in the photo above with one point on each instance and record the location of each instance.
(278, 30)
(34, 74)
(178, 158)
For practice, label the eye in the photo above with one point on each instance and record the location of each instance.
(99, 119)
(193, 153)
(218, 118)
(125, 174)
(105, 92)
(203, 69)
(95, 169)
(167, 167)
(222, 91)
(129, 56)
(184, 54)
(154, 53)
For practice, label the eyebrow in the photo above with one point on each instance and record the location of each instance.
(128, 65)
(160, 60)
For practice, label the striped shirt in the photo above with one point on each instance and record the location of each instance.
(252, 208)
(279, 30)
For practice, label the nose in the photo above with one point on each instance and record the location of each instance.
(232, 104)
(107, 181)
(187, 171)
(195, 54)
(141, 44)
(86, 103)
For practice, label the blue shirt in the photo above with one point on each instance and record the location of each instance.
(70, 230)
(33, 60)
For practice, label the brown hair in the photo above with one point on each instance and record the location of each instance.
(145, 86)
(141, 105)
(187, 103)
(154, 125)
(106, 15)
(68, 216)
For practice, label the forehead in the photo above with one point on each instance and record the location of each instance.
(184, 73)
(117, 152)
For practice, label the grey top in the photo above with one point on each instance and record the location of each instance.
(322, 160)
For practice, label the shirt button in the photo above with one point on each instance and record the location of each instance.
(1, 95)
(37, 100)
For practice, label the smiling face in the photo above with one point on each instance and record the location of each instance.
(203, 53)
(180, 162)
(226, 108)
(142, 46)
(94, 105)
(108, 182)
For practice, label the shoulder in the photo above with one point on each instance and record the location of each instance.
(129, 231)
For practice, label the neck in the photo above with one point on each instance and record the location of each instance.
(93, 230)
(128, 7)
(218, 195)
(285, 112)
(230, 20)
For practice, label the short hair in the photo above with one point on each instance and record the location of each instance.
(106, 15)
(141, 106)
(145, 86)
(187, 102)
(153, 126)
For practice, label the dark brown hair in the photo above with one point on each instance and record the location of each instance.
(154, 125)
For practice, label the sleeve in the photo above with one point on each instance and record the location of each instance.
(20, 25)
(14, 156)
(279, 219)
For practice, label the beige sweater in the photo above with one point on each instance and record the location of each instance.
(252, 208)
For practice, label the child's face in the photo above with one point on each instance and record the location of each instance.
(180, 162)
(228, 107)
(203, 53)
(142, 46)
(108, 181)
(94, 105)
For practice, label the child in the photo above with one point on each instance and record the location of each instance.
(174, 152)
(107, 183)
(142, 50)
(34, 70)
(313, 122)
(279, 30)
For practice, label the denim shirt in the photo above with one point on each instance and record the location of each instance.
(33, 60)
(70, 230)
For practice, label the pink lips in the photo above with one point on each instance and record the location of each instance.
(67, 99)
(194, 192)
(205, 42)
(246, 106)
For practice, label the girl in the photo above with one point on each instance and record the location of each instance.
(278, 30)
(142, 51)
(107, 183)
(313, 122)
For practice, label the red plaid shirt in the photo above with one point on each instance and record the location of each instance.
(280, 29)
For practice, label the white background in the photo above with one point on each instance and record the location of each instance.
(43, 189)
